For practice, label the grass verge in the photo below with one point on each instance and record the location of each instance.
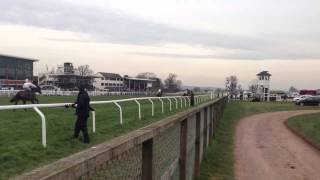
(307, 126)
(20, 131)
(219, 161)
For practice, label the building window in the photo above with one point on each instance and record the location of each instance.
(102, 84)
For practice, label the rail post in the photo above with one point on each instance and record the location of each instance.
(139, 106)
(43, 125)
(120, 111)
(181, 101)
(93, 121)
(170, 103)
(185, 101)
(176, 102)
(162, 108)
(152, 106)
(189, 101)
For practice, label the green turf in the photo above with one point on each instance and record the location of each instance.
(308, 126)
(219, 161)
(20, 131)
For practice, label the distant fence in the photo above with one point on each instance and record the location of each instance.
(169, 149)
(174, 102)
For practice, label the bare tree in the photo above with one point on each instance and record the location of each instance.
(253, 86)
(293, 89)
(240, 91)
(231, 84)
(84, 70)
(172, 84)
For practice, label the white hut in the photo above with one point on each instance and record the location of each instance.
(263, 81)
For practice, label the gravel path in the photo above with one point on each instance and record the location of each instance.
(266, 149)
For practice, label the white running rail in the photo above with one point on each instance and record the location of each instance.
(36, 107)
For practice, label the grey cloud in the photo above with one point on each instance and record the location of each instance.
(234, 56)
(105, 25)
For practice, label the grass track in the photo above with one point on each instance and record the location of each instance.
(219, 161)
(20, 131)
(307, 126)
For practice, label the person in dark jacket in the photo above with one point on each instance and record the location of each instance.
(192, 98)
(83, 109)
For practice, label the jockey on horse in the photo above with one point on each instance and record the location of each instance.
(27, 87)
(28, 93)
(159, 93)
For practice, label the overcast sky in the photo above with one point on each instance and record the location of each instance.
(203, 41)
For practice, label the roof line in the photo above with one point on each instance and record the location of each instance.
(17, 57)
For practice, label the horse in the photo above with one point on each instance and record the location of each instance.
(26, 96)
(159, 94)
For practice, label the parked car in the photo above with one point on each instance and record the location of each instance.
(298, 98)
(309, 101)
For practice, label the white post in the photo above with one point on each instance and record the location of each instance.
(152, 106)
(170, 103)
(161, 104)
(176, 102)
(43, 124)
(93, 121)
(139, 106)
(189, 100)
(181, 101)
(120, 110)
(185, 101)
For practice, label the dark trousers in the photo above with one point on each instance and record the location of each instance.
(192, 101)
(81, 125)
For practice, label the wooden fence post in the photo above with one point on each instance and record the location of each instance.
(205, 131)
(197, 148)
(147, 160)
(210, 124)
(183, 149)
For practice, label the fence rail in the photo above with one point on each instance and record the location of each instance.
(169, 149)
(36, 107)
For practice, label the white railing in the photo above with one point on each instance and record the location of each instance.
(185, 101)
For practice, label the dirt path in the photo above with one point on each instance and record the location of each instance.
(266, 149)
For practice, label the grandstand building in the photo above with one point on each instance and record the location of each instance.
(14, 70)
(138, 84)
(115, 82)
(108, 82)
